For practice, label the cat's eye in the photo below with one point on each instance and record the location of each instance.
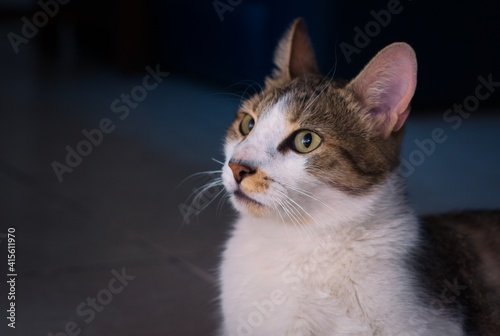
(306, 141)
(247, 124)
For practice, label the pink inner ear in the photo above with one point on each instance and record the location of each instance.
(394, 100)
(401, 119)
(386, 86)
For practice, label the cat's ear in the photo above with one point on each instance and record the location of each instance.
(294, 55)
(386, 86)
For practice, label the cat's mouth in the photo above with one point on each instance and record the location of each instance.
(241, 196)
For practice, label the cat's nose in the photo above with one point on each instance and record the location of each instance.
(240, 170)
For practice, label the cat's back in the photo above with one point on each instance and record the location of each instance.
(470, 245)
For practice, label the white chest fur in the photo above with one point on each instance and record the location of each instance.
(293, 281)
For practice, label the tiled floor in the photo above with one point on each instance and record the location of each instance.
(119, 209)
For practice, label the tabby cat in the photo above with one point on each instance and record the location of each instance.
(325, 243)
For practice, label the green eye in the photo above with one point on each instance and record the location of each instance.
(306, 141)
(247, 124)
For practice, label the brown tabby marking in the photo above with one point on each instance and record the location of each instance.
(257, 183)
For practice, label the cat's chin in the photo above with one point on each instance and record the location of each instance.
(242, 197)
(248, 205)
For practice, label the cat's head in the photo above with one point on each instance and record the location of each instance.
(307, 142)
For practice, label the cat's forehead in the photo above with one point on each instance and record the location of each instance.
(306, 101)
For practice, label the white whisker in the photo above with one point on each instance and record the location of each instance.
(334, 68)
(295, 213)
(208, 172)
(307, 194)
(221, 202)
(282, 220)
(321, 226)
(220, 162)
(290, 215)
(198, 192)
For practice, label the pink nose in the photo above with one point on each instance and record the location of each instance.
(240, 171)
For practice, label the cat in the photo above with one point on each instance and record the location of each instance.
(325, 243)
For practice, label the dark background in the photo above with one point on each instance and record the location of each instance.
(454, 40)
(123, 206)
